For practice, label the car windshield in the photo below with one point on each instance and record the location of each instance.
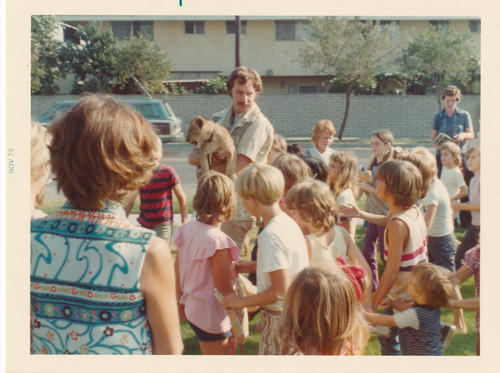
(57, 111)
(151, 110)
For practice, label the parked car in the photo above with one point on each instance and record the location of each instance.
(158, 112)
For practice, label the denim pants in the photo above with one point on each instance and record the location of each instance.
(442, 251)
(374, 233)
(389, 345)
(470, 240)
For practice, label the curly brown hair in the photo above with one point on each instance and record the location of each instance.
(242, 75)
(101, 149)
(314, 202)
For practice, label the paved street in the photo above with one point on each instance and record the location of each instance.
(175, 155)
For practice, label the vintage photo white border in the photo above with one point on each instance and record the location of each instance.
(16, 198)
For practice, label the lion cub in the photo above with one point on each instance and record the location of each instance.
(211, 137)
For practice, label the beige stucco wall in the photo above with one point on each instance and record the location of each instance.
(408, 30)
(215, 50)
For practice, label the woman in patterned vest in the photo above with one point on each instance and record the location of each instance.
(100, 285)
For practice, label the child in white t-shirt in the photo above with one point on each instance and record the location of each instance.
(451, 176)
(441, 240)
(322, 138)
(282, 249)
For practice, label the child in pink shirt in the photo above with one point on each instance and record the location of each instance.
(203, 262)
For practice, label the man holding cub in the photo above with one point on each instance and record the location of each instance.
(252, 134)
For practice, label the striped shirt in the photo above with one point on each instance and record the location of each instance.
(420, 330)
(416, 250)
(156, 198)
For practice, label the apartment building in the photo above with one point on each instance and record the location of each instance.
(203, 46)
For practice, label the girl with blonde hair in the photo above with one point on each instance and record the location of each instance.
(322, 312)
(40, 167)
(203, 262)
(343, 181)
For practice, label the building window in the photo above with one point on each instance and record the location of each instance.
(392, 26)
(475, 26)
(194, 27)
(292, 30)
(125, 29)
(285, 30)
(440, 25)
(69, 32)
(231, 27)
(295, 88)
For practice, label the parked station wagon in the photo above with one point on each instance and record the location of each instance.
(158, 112)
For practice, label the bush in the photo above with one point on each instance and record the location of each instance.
(214, 86)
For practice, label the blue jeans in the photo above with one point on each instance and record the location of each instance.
(390, 345)
(442, 251)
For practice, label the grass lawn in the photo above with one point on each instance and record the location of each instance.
(461, 344)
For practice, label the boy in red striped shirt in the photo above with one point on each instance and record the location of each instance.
(156, 211)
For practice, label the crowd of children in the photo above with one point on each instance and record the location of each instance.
(316, 291)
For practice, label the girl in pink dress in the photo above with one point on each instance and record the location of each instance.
(203, 262)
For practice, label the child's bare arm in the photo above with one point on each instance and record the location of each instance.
(462, 192)
(356, 257)
(280, 280)
(378, 319)
(245, 266)
(178, 288)
(367, 187)
(159, 290)
(430, 214)
(181, 197)
(465, 206)
(352, 211)
(397, 237)
(221, 271)
(466, 304)
(463, 274)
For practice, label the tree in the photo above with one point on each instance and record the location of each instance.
(144, 58)
(93, 60)
(45, 62)
(440, 57)
(352, 52)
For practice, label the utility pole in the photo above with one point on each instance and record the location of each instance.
(237, 34)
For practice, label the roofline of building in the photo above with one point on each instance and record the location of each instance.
(76, 18)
